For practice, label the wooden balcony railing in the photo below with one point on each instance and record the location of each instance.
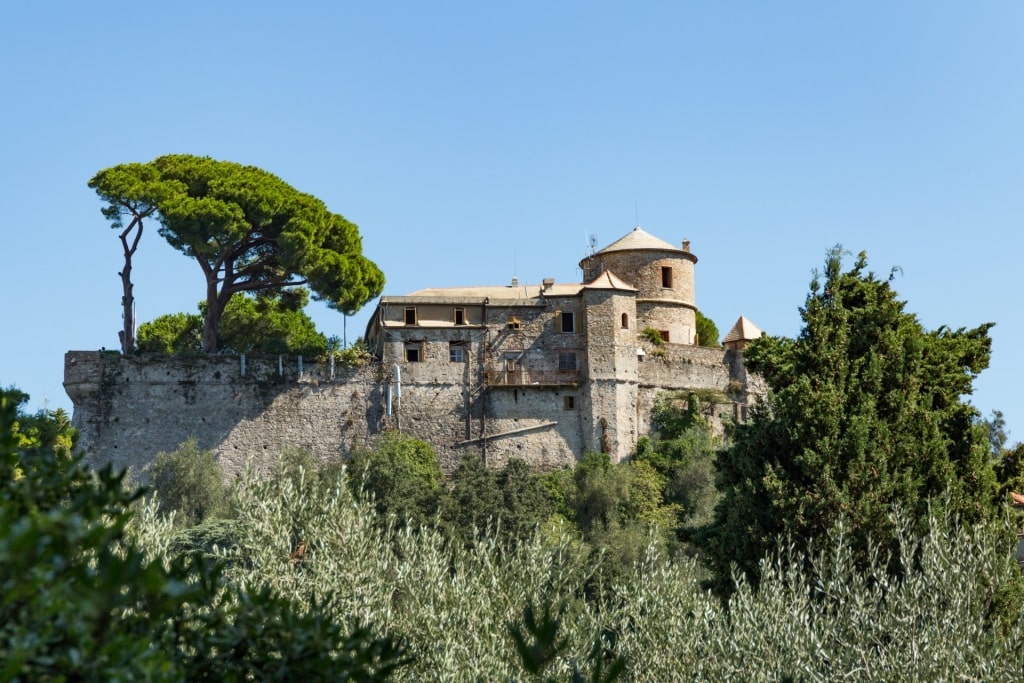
(538, 378)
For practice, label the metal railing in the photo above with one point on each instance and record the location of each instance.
(521, 378)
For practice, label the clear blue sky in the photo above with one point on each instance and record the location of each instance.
(474, 141)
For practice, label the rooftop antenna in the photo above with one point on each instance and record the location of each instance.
(593, 244)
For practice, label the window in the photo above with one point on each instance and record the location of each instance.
(625, 321)
(567, 360)
(410, 315)
(512, 360)
(567, 322)
(413, 353)
(460, 316)
(456, 353)
(514, 323)
(569, 403)
(664, 335)
(666, 277)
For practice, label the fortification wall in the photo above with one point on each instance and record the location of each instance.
(714, 372)
(128, 409)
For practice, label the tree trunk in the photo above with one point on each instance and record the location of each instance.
(127, 334)
(214, 309)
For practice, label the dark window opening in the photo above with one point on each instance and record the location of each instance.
(412, 353)
(625, 321)
(568, 322)
(460, 316)
(410, 316)
(666, 277)
(567, 360)
(569, 403)
(514, 323)
(664, 335)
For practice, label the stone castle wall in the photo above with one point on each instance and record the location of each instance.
(128, 409)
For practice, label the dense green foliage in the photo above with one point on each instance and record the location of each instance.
(683, 450)
(80, 600)
(401, 477)
(953, 613)
(865, 411)
(40, 433)
(248, 230)
(265, 323)
(90, 592)
(190, 484)
(707, 331)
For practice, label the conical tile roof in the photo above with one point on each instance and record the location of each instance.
(638, 238)
(743, 330)
(609, 280)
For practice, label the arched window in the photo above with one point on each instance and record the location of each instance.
(625, 321)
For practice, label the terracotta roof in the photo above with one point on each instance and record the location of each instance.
(743, 330)
(638, 238)
(494, 292)
(609, 280)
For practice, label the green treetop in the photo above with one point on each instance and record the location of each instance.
(130, 191)
(248, 230)
(707, 331)
(866, 411)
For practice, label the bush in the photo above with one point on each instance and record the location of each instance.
(81, 600)
(189, 483)
(816, 616)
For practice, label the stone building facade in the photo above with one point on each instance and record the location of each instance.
(540, 372)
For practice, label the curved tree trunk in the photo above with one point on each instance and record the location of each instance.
(127, 334)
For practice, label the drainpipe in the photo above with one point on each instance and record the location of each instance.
(483, 386)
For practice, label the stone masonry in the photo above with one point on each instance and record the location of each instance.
(538, 372)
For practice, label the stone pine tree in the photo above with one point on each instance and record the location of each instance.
(866, 411)
(249, 231)
(131, 192)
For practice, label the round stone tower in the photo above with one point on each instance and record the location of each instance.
(663, 277)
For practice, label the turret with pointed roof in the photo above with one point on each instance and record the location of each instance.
(663, 276)
(741, 334)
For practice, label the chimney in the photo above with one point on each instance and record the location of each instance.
(548, 283)
(515, 281)
(686, 246)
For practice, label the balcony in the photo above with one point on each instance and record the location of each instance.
(531, 378)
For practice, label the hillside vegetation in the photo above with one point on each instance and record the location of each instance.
(854, 529)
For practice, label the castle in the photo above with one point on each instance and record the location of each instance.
(539, 372)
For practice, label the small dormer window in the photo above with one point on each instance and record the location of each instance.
(514, 323)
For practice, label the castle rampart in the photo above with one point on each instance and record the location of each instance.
(539, 372)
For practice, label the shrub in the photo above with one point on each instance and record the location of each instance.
(189, 483)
